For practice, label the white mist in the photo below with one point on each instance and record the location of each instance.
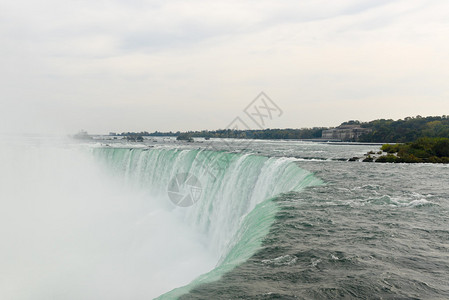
(70, 231)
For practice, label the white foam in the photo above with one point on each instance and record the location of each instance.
(420, 202)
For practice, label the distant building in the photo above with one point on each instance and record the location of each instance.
(82, 135)
(345, 133)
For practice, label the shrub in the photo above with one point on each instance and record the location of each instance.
(441, 148)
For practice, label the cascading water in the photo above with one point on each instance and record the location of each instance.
(97, 222)
(234, 211)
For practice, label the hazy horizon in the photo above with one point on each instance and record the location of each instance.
(169, 66)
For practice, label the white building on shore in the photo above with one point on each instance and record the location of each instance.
(345, 133)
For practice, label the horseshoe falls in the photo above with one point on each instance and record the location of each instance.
(97, 222)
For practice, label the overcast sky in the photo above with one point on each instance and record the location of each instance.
(129, 65)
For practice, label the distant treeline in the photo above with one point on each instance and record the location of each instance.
(382, 131)
(305, 133)
(406, 130)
